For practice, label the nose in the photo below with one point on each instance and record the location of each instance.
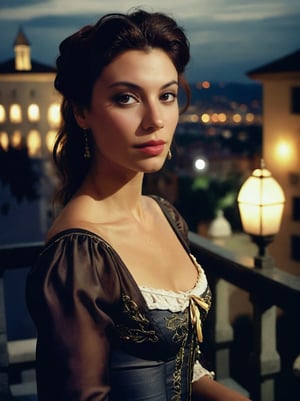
(152, 118)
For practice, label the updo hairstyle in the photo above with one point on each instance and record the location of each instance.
(82, 59)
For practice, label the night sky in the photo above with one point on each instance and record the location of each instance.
(228, 37)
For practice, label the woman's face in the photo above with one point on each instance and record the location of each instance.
(134, 111)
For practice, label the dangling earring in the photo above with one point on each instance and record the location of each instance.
(87, 152)
(169, 155)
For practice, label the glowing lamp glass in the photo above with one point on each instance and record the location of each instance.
(261, 202)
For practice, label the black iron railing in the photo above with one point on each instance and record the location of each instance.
(269, 290)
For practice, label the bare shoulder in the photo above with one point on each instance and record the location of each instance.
(76, 214)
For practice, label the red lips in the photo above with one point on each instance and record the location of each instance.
(152, 148)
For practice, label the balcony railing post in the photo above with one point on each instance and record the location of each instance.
(265, 360)
(4, 386)
(223, 334)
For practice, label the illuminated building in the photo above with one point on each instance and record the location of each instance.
(29, 105)
(281, 148)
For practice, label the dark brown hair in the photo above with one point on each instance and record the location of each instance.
(82, 58)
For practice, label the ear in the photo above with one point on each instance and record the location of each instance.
(80, 116)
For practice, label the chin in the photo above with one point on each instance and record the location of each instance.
(154, 168)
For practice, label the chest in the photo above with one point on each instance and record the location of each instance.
(156, 258)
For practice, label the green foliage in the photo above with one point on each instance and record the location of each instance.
(201, 197)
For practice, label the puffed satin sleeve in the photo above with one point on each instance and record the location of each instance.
(71, 292)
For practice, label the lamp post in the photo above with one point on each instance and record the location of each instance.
(261, 201)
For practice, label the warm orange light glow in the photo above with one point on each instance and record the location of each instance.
(215, 117)
(16, 138)
(33, 113)
(15, 113)
(237, 118)
(50, 139)
(54, 117)
(261, 202)
(222, 117)
(250, 117)
(205, 118)
(4, 140)
(34, 142)
(284, 150)
(205, 84)
(2, 114)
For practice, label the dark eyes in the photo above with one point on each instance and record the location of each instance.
(128, 98)
(125, 98)
(168, 97)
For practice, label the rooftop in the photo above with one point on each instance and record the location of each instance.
(286, 64)
(21, 39)
(8, 67)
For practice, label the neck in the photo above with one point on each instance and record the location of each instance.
(122, 192)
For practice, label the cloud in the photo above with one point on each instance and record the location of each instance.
(34, 8)
(228, 37)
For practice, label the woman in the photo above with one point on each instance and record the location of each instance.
(116, 296)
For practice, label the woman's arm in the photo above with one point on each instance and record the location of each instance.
(69, 293)
(206, 389)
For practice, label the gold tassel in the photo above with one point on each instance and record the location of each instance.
(195, 303)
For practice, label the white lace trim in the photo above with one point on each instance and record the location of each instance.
(171, 300)
(199, 371)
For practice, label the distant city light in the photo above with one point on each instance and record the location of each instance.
(222, 117)
(205, 84)
(242, 136)
(194, 118)
(237, 118)
(205, 118)
(227, 134)
(249, 117)
(215, 117)
(200, 164)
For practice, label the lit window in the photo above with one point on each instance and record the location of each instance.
(4, 141)
(34, 142)
(2, 114)
(50, 139)
(54, 115)
(15, 113)
(33, 113)
(16, 139)
(296, 100)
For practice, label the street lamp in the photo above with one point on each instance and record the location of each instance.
(261, 202)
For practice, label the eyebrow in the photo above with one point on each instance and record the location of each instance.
(137, 87)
